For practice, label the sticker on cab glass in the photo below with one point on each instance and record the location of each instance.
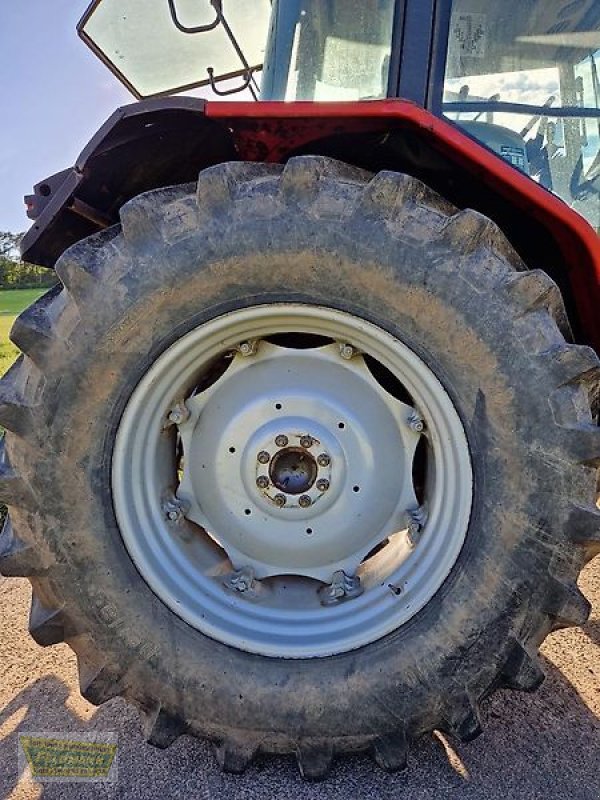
(470, 34)
(514, 155)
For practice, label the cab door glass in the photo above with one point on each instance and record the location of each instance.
(524, 79)
(331, 50)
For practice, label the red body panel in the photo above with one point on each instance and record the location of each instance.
(269, 131)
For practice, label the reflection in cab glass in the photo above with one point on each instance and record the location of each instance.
(524, 80)
(335, 50)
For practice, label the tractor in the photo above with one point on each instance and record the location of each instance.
(302, 451)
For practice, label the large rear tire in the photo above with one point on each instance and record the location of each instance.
(389, 255)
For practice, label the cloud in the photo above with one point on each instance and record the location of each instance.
(533, 87)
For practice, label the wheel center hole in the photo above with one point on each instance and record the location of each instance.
(293, 470)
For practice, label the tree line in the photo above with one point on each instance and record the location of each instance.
(17, 274)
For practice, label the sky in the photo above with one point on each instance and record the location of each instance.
(55, 95)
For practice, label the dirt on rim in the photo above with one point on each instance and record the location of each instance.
(544, 746)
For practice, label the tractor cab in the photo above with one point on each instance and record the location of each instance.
(523, 78)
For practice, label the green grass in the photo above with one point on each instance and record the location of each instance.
(12, 302)
(8, 352)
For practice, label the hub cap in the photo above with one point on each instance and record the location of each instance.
(292, 480)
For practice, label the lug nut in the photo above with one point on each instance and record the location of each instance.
(306, 442)
(323, 460)
(323, 485)
(280, 500)
(347, 351)
(263, 457)
(305, 501)
(262, 482)
(281, 441)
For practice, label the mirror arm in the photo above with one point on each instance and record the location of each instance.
(216, 4)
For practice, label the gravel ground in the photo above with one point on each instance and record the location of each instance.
(541, 746)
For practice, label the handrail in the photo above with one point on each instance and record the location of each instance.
(216, 4)
(247, 76)
(249, 80)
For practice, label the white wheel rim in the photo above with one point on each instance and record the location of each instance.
(265, 588)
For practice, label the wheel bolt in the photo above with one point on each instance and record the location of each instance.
(306, 442)
(323, 460)
(305, 501)
(247, 349)
(416, 423)
(174, 509)
(280, 500)
(347, 351)
(262, 482)
(323, 485)
(281, 441)
(417, 519)
(179, 414)
(263, 457)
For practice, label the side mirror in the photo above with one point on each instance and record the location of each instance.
(160, 47)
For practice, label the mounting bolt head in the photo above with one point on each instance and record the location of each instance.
(242, 581)
(281, 440)
(417, 519)
(416, 423)
(248, 348)
(323, 485)
(347, 351)
(323, 460)
(307, 442)
(178, 414)
(174, 509)
(263, 457)
(280, 500)
(342, 587)
(305, 501)
(262, 482)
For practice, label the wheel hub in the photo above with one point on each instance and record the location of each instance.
(293, 471)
